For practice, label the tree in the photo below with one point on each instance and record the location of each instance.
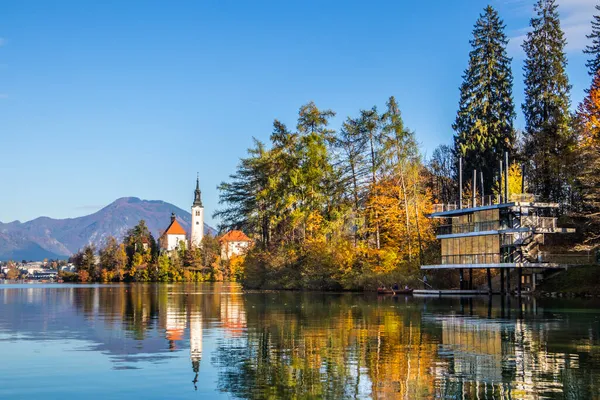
(593, 49)
(442, 167)
(548, 138)
(13, 273)
(85, 261)
(354, 170)
(484, 121)
(140, 241)
(587, 123)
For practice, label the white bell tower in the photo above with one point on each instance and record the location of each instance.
(197, 217)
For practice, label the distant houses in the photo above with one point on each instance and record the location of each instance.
(234, 243)
(173, 236)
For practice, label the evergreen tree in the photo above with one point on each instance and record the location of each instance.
(484, 121)
(548, 137)
(593, 63)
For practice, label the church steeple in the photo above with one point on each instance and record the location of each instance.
(197, 194)
(197, 217)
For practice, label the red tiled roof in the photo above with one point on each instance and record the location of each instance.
(175, 229)
(235, 236)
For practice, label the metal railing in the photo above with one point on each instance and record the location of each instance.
(581, 258)
(484, 258)
(467, 203)
(523, 198)
(481, 226)
(489, 200)
(539, 222)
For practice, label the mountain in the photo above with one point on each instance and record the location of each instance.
(59, 238)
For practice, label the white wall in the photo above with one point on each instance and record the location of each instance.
(173, 241)
(197, 226)
(229, 249)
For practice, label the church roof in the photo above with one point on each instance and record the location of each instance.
(235, 236)
(175, 229)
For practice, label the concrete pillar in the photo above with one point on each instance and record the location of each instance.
(489, 279)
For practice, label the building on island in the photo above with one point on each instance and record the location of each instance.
(234, 243)
(502, 232)
(173, 236)
(197, 217)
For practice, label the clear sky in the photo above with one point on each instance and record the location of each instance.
(105, 99)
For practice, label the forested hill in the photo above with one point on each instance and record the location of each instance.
(59, 238)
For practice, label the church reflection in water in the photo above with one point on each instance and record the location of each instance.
(287, 344)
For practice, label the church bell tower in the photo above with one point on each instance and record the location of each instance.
(197, 217)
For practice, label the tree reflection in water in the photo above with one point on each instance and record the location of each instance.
(311, 345)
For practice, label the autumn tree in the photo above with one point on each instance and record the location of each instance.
(85, 262)
(587, 123)
(140, 245)
(548, 138)
(484, 121)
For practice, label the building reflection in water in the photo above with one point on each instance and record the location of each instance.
(323, 345)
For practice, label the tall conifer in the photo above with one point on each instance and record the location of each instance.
(593, 49)
(548, 137)
(484, 122)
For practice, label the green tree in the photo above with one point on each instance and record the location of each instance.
(443, 177)
(484, 121)
(548, 138)
(593, 49)
(85, 261)
(140, 241)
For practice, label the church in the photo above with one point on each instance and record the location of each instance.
(175, 234)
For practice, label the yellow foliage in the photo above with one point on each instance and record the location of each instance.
(236, 268)
(515, 181)
(589, 114)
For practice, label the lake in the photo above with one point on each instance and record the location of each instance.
(202, 341)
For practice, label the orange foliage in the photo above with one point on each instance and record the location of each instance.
(84, 276)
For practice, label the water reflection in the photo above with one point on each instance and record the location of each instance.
(219, 341)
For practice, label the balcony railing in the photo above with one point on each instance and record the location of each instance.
(485, 258)
(581, 258)
(468, 228)
(485, 201)
(467, 203)
(538, 222)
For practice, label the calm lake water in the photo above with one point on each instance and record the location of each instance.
(201, 341)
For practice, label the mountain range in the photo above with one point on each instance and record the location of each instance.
(51, 238)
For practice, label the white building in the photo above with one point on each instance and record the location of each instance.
(173, 236)
(234, 243)
(197, 217)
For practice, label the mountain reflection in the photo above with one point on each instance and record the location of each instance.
(307, 345)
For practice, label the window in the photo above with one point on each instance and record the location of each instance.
(197, 223)
(197, 213)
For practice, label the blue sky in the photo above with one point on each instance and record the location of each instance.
(105, 99)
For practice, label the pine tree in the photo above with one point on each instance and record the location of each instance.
(484, 121)
(593, 63)
(548, 137)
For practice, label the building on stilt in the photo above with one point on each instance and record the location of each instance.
(504, 233)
